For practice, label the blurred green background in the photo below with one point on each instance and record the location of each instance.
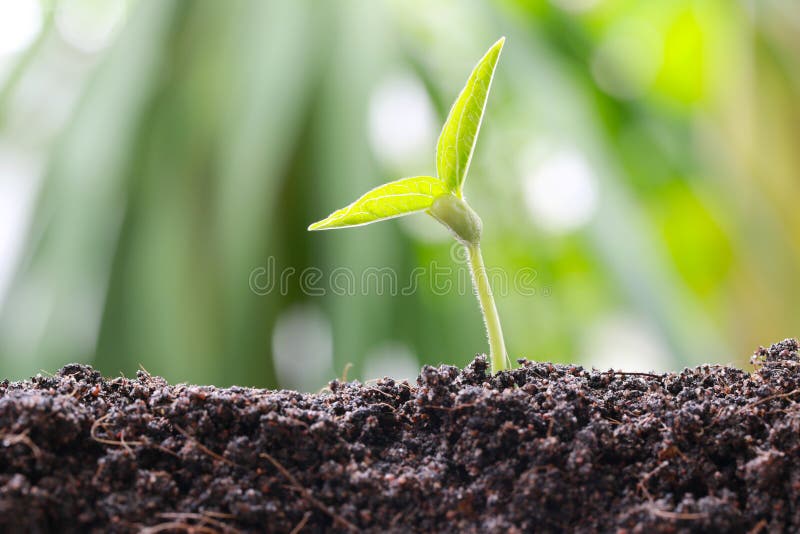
(642, 157)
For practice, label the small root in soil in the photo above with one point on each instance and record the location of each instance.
(307, 494)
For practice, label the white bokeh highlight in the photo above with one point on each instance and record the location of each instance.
(401, 121)
(20, 175)
(89, 25)
(394, 360)
(624, 342)
(20, 24)
(302, 348)
(560, 191)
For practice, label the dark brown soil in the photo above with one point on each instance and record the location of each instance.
(542, 448)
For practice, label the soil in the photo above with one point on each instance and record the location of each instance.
(545, 448)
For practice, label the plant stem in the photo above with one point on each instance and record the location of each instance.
(480, 279)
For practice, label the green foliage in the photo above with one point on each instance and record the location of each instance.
(442, 197)
(453, 155)
(387, 201)
(460, 132)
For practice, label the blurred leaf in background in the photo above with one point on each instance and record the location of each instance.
(638, 165)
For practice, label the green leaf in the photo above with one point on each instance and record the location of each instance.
(401, 197)
(457, 140)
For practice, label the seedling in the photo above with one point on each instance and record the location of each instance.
(443, 197)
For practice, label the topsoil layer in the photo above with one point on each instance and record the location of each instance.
(541, 448)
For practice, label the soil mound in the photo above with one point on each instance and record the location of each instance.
(541, 448)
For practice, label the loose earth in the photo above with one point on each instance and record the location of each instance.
(544, 448)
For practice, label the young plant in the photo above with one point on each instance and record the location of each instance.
(443, 197)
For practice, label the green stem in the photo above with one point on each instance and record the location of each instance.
(480, 279)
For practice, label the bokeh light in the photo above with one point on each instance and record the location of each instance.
(638, 160)
(401, 121)
(302, 347)
(392, 359)
(20, 23)
(89, 25)
(561, 191)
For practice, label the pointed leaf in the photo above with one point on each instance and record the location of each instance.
(457, 140)
(401, 197)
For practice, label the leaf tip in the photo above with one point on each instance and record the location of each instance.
(497, 47)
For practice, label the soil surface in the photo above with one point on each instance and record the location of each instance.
(545, 448)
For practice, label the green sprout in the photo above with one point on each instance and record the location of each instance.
(443, 197)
